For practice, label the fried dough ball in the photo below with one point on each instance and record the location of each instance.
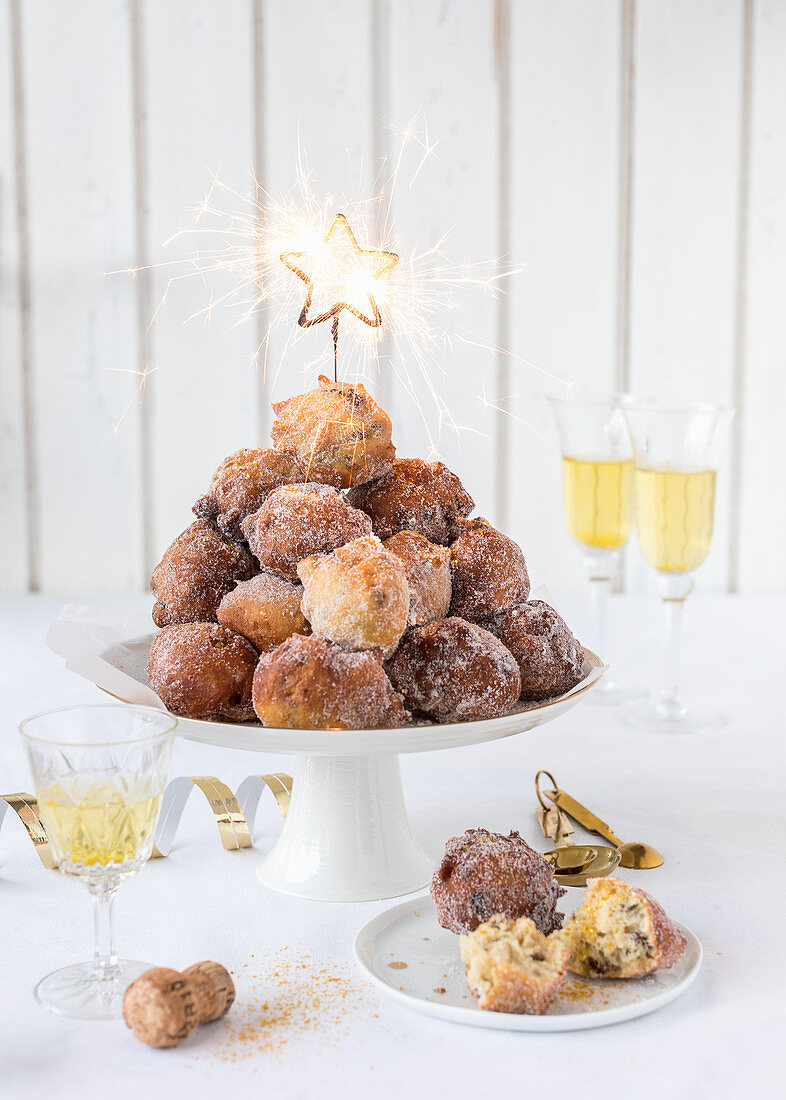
(511, 967)
(428, 574)
(338, 434)
(455, 671)
(489, 572)
(358, 596)
(418, 496)
(202, 670)
(242, 483)
(197, 570)
(308, 683)
(299, 520)
(549, 657)
(619, 931)
(484, 873)
(266, 610)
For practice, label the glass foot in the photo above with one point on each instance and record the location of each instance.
(658, 719)
(609, 693)
(87, 992)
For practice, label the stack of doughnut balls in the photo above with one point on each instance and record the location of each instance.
(327, 584)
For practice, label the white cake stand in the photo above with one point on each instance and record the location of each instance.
(346, 836)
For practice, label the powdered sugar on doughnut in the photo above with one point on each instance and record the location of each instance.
(337, 433)
(195, 573)
(416, 496)
(297, 521)
(358, 596)
(483, 873)
(309, 683)
(549, 657)
(428, 574)
(242, 483)
(489, 572)
(266, 610)
(455, 671)
(202, 670)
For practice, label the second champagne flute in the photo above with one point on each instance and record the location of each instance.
(597, 472)
(678, 448)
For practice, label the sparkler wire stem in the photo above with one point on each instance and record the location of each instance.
(334, 330)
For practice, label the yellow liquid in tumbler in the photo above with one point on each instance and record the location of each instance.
(674, 514)
(598, 501)
(97, 826)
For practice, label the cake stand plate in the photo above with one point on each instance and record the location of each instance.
(346, 835)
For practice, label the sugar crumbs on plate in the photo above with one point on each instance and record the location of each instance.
(289, 999)
(576, 989)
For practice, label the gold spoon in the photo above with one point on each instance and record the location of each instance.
(572, 859)
(633, 854)
(566, 857)
(605, 862)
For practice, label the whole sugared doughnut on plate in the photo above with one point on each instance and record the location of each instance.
(358, 596)
(242, 483)
(428, 574)
(308, 683)
(297, 521)
(489, 572)
(416, 496)
(202, 670)
(484, 873)
(550, 658)
(337, 433)
(266, 610)
(195, 573)
(455, 671)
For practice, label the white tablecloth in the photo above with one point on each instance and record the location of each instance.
(714, 805)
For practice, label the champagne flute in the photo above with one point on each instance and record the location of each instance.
(678, 448)
(99, 774)
(597, 471)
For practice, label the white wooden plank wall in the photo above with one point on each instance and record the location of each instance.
(686, 174)
(759, 566)
(197, 66)
(17, 571)
(318, 91)
(446, 61)
(564, 128)
(630, 153)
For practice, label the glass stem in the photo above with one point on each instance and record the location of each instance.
(600, 568)
(104, 956)
(600, 587)
(674, 590)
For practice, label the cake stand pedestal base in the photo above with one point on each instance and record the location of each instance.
(346, 836)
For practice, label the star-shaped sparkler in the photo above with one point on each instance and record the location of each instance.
(346, 277)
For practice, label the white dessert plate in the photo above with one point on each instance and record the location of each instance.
(411, 959)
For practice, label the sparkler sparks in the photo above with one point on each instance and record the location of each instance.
(254, 243)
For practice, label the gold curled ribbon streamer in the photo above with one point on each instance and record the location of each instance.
(25, 806)
(234, 814)
(251, 789)
(232, 827)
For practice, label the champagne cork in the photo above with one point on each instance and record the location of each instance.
(214, 989)
(161, 1007)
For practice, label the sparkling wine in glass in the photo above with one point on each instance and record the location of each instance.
(99, 774)
(597, 474)
(677, 449)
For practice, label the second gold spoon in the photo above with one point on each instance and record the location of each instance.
(633, 854)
